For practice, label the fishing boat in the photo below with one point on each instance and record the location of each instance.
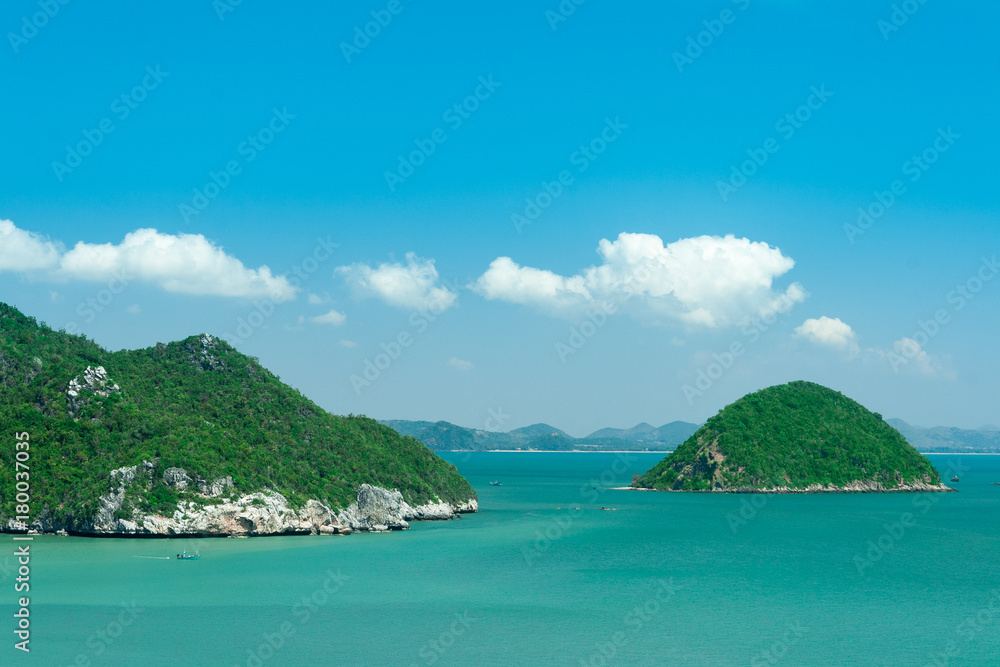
(955, 478)
(184, 555)
(495, 484)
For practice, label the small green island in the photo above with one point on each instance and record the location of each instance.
(798, 437)
(194, 438)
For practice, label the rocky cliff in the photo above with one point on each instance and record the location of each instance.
(864, 486)
(256, 514)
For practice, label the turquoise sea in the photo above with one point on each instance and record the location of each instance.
(663, 579)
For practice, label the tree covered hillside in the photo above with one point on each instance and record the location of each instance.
(791, 436)
(196, 404)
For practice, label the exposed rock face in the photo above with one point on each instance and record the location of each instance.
(95, 381)
(262, 513)
(468, 507)
(432, 512)
(254, 514)
(216, 488)
(177, 478)
(379, 510)
(202, 354)
(865, 486)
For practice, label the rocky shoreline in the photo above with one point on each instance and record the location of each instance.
(867, 486)
(257, 514)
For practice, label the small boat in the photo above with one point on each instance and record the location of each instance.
(184, 555)
(495, 484)
(955, 478)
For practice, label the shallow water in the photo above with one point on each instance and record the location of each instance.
(665, 579)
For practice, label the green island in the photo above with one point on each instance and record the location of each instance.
(798, 437)
(193, 437)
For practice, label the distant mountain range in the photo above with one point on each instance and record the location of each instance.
(948, 438)
(671, 434)
(445, 436)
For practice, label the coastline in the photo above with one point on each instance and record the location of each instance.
(259, 514)
(857, 487)
(787, 492)
(555, 451)
(642, 451)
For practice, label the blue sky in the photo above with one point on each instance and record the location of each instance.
(644, 125)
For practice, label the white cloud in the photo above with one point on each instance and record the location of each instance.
(709, 281)
(904, 356)
(21, 250)
(316, 299)
(134, 309)
(348, 343)
(507, 281)
(831, 332)
(333, 317)
(413, 286)
(460, 364)
(180, 263)
(907, 355)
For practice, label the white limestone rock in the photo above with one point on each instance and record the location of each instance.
(377, 510)
(215, 488)
(256, 514)
(95, 381)
(177, 478)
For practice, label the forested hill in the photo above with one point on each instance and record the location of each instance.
(796, 436)
(196, 404)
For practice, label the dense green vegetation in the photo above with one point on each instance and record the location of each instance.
(792, 435)
(196, 404)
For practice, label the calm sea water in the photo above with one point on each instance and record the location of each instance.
(678, 579)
